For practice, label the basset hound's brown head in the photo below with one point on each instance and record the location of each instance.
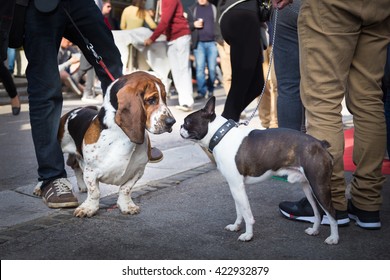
(140, 102)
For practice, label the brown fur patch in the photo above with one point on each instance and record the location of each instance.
(131, 116)
(93, 132)
(61, 129)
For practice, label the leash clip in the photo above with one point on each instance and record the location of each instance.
(91, 49)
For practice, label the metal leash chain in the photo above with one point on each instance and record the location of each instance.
(271, 56)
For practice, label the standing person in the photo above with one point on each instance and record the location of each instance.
(135, 16)
(335, 39)
(68, 57)
(43, 32)
(246, 50)
(111, 22)
(203, 24)
(175, 26)
(6, 14)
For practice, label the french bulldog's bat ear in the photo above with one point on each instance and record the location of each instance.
(210, 105)
(209, 108)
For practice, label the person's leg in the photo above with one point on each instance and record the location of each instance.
(200, 65)
(246, 60)
(324, 80)
(365, 101)
(224, 54)
(18, 61)
(386, 91)
(273, 97)
(178, 56)
(11, 54)
(265, 103)
(286, 63)
(211, 57)
(8, 82)
(43, 33)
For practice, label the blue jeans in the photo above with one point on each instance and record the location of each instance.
(286, 59)
(11, 54)
(206, 55)
(43, 33)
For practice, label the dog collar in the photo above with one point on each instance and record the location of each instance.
(220, 133)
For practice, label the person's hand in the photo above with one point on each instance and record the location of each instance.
(148, 42)
(280, 4)
(198, 23)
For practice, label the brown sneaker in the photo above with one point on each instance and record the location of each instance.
(58, 194)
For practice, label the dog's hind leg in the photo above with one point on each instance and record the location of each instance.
(334, 230)
(74, 164)
(317, 216)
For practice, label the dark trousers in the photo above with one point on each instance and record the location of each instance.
(43, 33)
(246, 59)
(6, 13)
(286, 59)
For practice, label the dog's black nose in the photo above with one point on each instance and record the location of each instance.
(170, 121)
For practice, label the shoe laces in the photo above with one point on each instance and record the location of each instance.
(62, 186)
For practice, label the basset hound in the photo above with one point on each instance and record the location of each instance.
(109, 144)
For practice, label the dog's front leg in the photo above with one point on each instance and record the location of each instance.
(124, 202)
(243, 209)
(237, 224)
(91, 205)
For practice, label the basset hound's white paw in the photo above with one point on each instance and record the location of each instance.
(130, 209)
(86, 210)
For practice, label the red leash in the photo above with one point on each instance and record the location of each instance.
(99, 60)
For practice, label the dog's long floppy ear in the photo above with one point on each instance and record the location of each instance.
(131, 116)
(209, 108)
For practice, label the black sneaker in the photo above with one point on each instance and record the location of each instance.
(302, 211)
(364, 219)
(58, 194)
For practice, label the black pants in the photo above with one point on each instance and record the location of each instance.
(6, 13)
(246, 59)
